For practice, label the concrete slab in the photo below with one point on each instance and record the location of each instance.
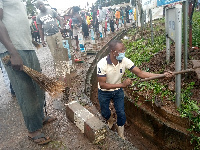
(95, 130)
(91, 126)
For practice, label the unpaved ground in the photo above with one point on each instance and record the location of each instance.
(64, 134)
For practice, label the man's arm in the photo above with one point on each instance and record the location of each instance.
(143, 74)
(104, 85)
(16, 61)
(60, 21)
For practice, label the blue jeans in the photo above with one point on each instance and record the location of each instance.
(118, 98)
(29, 95)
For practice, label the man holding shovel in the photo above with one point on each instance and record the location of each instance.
(110, 70)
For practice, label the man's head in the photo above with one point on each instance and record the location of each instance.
(116, 47)
(75, 9)
(40, 5)
(100, 7)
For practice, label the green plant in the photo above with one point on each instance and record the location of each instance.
(142, 50)
(196, 29)
(190, 109)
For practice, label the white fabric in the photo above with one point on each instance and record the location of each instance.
(113, 73)
(11, 11)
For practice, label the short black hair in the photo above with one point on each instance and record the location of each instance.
(113, 44)
(38, 3)
(76, 9)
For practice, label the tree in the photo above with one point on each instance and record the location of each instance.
(30, 6)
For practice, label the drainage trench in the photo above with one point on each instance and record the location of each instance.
(147, 126)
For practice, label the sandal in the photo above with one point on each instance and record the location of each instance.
(48, 120)
(40, 139)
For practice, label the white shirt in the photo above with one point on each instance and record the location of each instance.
(113, 74)
(102, 15)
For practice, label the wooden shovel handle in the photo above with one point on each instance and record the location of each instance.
(162, 76)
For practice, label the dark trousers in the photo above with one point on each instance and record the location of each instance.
(29, 95)
(118, 98)
(36, 36)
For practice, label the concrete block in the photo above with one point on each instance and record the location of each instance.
(90, 125)
(95, 130)
(71, 108)
(80, 117)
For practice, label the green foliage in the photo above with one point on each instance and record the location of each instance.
(197, 140)
(30, 6)
(156, 90)
(190, 109)
(142, 50)
(196, 29)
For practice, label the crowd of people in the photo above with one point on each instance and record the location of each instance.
(80, 25)
(47, 26)
(100, 20)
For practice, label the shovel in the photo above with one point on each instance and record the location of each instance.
(196, 69)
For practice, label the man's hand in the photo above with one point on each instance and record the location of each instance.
(76, 26)
(16, 62)
(44, 44)
(168, 74)
(127, 82)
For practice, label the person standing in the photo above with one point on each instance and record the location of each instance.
(76, 23)
(85, 28)
(131, 15)
(35, 30)
(47, 24)
(117, 17)
(121, 16)
(110, 70)
(102, 20)
(127, 13)
(16, 41)
(112, 23)
(95, 22)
